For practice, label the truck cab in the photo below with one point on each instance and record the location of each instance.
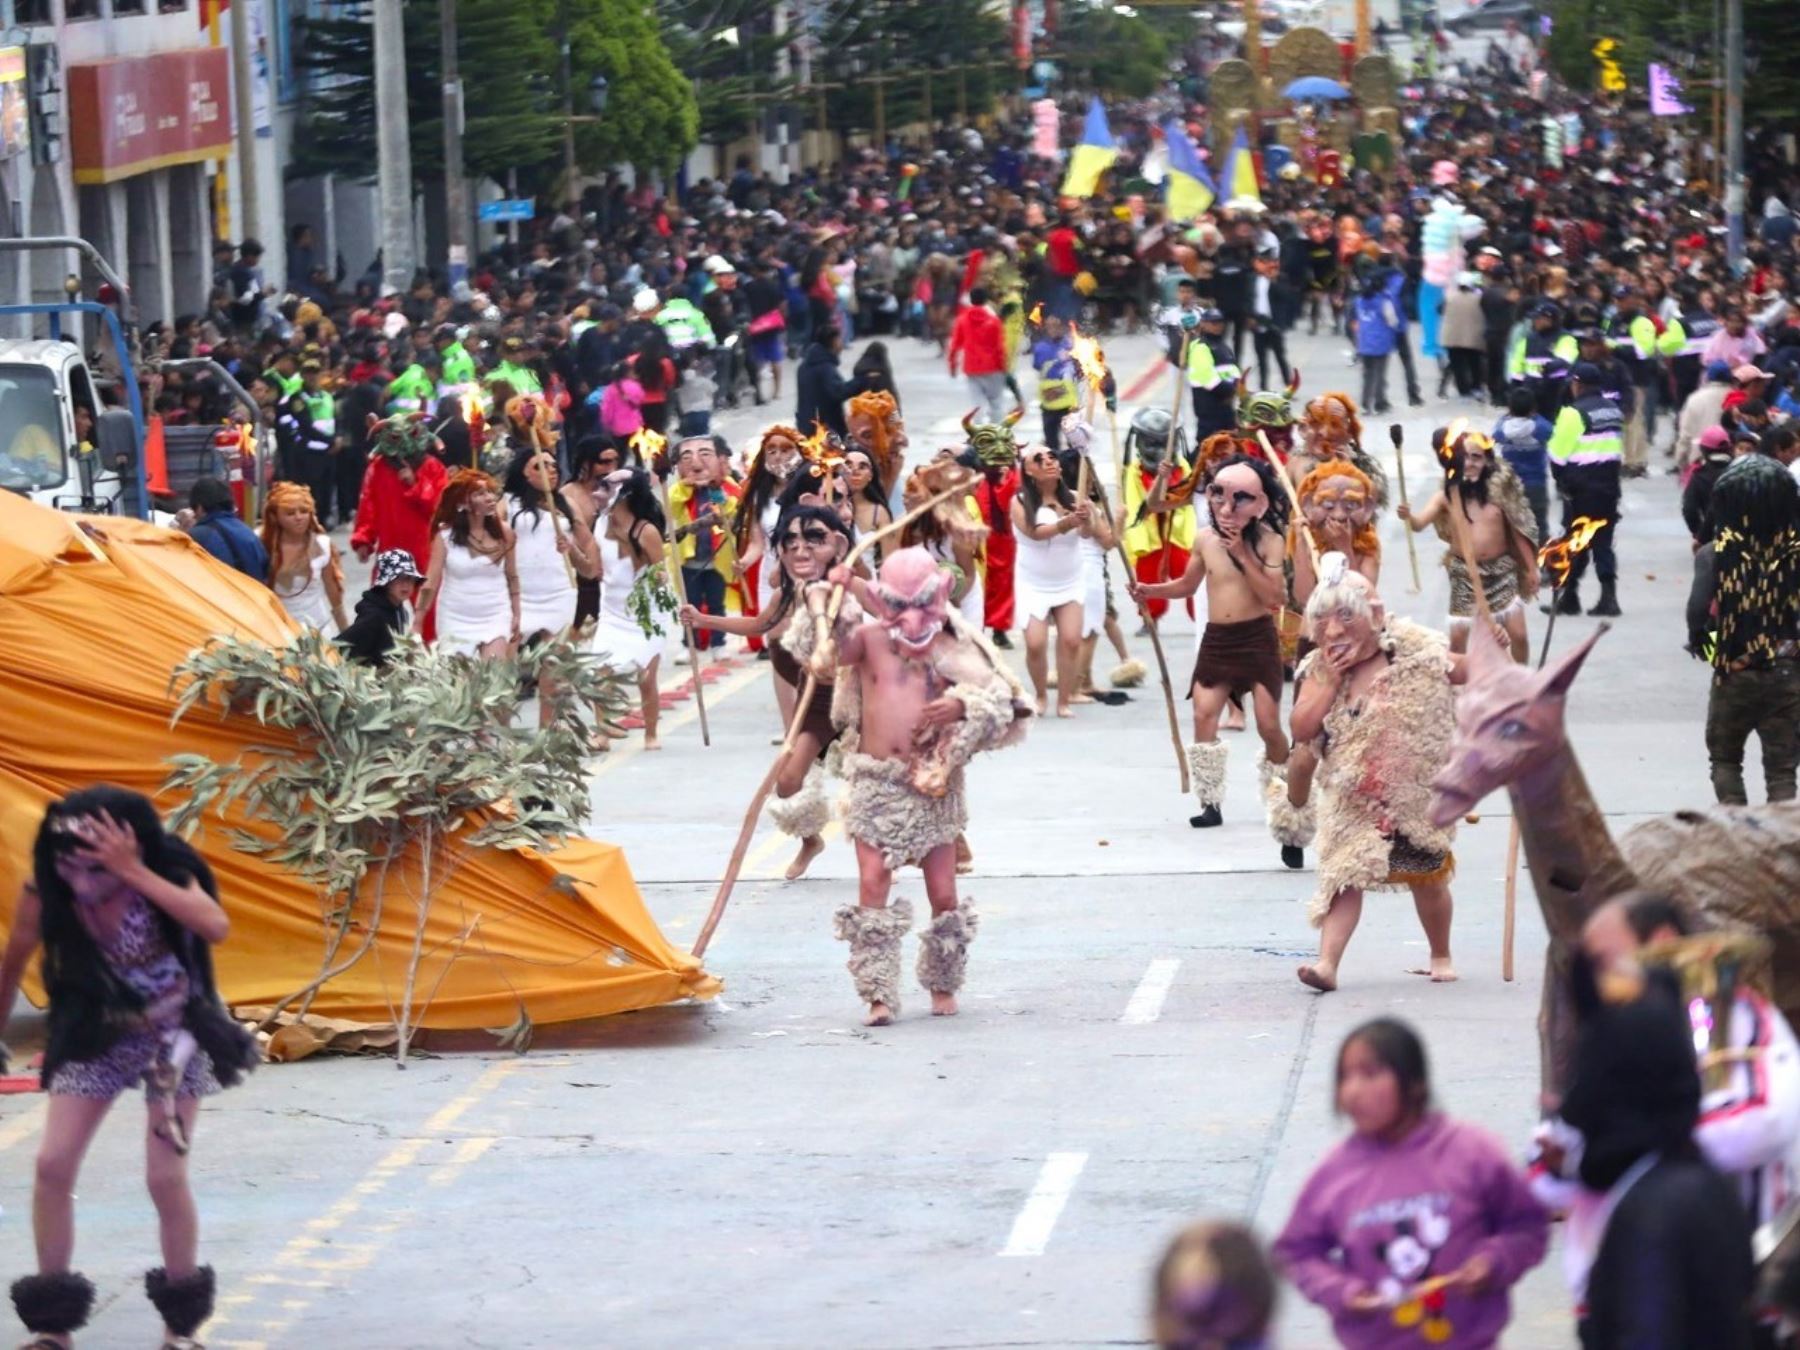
(58, 445)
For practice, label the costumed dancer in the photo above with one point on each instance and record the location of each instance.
(1098, 613)
(1270, 412)
(634, 594)
(304, 571)
(400, 489)
(1157, 540)
(809, 540)
(753, 533)
(875, 426)
(1239, 558)
(702, 500)
(860, 486)
(998, 454)
(552, 550)
(1502, 534)
(1330, 429)
(472, 579)
(953, 534)
(1050, 586)
(126, 914)
(1374, 698)
(944, 697)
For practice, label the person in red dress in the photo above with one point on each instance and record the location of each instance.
(400, 494)
(998, 455)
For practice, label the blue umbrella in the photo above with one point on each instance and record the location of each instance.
(1315, 86)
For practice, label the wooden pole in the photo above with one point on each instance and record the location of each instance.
(672, 561)
(1293, 496)
(801, 705)
(1412, 549)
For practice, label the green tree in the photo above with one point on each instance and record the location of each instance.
(510, 117)
(729, 77)
(651, 118)
(1112, 53)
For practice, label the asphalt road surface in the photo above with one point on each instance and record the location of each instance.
(1134, 1049)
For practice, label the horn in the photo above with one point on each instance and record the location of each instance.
(1555, 680)
(969, 421)
(1243, 386)
(1012, 418)
(1293, 386)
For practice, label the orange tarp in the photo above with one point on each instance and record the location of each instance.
(95, 613)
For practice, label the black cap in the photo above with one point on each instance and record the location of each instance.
(1587, 372)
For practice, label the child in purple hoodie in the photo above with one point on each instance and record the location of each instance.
(1412, 1230)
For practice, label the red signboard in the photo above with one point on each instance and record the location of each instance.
(140, 113)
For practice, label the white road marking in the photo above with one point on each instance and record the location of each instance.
(1147, 1001)
(1031, 1230)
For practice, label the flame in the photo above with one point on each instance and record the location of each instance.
(471, 406)
(1558, 556)
(1036, 316)
(818, 451)
(1087, 354)
(1458, 433)
(649, 445)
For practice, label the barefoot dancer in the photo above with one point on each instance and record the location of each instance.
(125, 914)
(1374, 697)
(919, 696)
(1238, 556)
(1502, 535)
(1050, 523)
(809, 541)
(631, 545)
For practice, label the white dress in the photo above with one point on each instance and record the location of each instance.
(546, 590)
(1093, 586)
(308, 605)
(618, 641)
(473, 606)
(1049, 571)
(768, 575)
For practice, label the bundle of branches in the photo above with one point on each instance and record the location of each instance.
(389, 780)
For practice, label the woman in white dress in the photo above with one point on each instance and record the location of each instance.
(552, 548)
(631, 544)
(1048, 585)
(304, 571)
(472, 577)
(753, 527)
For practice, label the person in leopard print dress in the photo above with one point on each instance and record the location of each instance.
(125, 914)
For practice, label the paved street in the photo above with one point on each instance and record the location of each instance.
(761, 1171)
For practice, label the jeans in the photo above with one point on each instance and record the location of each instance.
(1766, 701)
(1374, 382)
(989, 392)
(1270, 341)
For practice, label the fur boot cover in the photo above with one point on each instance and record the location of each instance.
(944, 949)
(874, 936)
(805, 814)
(1127, 674)
(1293, 826)
(185, 1304)
(1206, 762)
(53, 1305)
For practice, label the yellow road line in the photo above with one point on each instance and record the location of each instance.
(715, 695)
(764, 862)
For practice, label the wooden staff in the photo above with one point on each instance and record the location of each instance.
(801, 704)
(1175, 403)
(1412, 549)
(1162, 661)
(1293, 496)
(672, 561)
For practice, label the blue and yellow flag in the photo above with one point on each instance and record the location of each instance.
(1092, 156)
(1189, 188)
(1240, 171)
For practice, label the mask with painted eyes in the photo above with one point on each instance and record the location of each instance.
(1236, 497)
(910, 598)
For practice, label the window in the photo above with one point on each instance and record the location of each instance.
(125, 8)
(171, 6)
(28, 12)
(33, 457)
(81, 9)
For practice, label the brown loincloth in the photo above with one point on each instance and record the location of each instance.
(1499, 578)
(1240, 656)
(1410, 864)
(818, 712)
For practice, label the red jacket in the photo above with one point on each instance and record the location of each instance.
(980, 339)
(393, 514)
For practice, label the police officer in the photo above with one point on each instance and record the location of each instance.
(1587, 452)
(1542, 355)
(1212, 374)
(306, 435)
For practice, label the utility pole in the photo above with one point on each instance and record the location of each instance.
(456, 194)
(392, 148)
(249, 207)
(1734, 133)
(571, 194)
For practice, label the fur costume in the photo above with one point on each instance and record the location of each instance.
(1127, 674)
(1373, 786)
(185, 1304)
(944, 949)
(53, 1305)
(874, 936)
(885, 810)
(1206, 764)
(1499, 580)
(1293, 826)
(805, 814)
(1499, 576)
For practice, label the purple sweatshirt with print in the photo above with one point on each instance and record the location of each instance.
(1386, 1217)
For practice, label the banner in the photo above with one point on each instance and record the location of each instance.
(129, 115)
(1665, 93)
(1046, 123)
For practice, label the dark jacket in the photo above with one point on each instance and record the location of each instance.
(370, 636)
(1674, 1269)
(232, 542)
(820, 391)
(1696, 497)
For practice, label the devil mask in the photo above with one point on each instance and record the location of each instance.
(910, 598)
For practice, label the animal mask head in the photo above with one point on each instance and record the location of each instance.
(1332, 426)
(405, 438)
(1509, 721)
(875, 428)
(1270, 411)
(993, 442)
(1338, 490)
(911, 598)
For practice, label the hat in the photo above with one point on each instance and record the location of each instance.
(309, 365)
(1718, 371)
(644, 301)
(1747, 372)
(1491, 251)
(608, 310)
(1210, 315)
(1714, 438)
(1586, 371)
(393, 564)
(715, 265)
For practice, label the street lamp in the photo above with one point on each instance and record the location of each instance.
(598, 90)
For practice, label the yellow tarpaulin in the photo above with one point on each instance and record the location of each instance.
(95, 613)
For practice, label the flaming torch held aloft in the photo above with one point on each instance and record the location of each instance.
(1558, 559)
(1036, 317)
(1091, 361)
(471, 411)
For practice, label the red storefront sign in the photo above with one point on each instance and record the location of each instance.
(140, 113)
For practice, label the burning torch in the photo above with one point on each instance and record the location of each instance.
(1558, 559)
